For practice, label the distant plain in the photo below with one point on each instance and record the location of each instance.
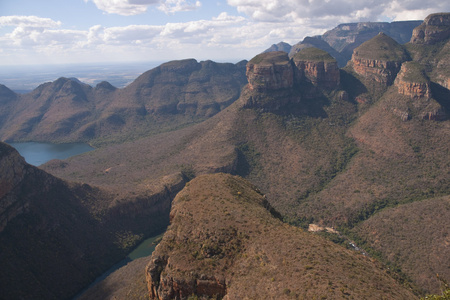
(25, 78)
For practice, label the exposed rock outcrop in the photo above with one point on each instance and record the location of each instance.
(379, 59)
(270, 71)
(340, 41)
(435, 28)
(411, 81)
(274, 70)
(346, 37)
(274, 80)
(415, 100)
(317, 66)
(223, 242)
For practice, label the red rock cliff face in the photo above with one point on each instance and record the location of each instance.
(274, 70)
(379, 59)
(320, 73)
(383, 72)
(270, 71)
(414, 88)
(435, 28)
(414, 85)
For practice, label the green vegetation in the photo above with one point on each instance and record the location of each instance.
(270, 58)
(188, 172)
(445, 289)
(414, 72)
(313, 54)
(382, 47)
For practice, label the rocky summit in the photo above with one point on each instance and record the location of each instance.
(434, 29)
(319, 67)
(379, 59)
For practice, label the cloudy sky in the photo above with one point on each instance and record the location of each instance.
(85, 31)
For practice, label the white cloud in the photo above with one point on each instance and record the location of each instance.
(28, 21)
(131, 33)
(332, 12)
(173, 6)
(124, 7)
(135, 7)
(223, 37)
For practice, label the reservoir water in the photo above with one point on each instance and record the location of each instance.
(37, 154)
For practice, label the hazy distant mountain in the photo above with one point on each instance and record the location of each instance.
(340, 41)
(317, 42)
(281, 46)
(171, 95)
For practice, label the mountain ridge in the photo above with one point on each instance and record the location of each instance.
(340, 41)
(343, 157)
(67, 110)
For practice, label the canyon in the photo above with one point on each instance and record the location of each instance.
(240, 159)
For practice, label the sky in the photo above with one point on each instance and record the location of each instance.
(96, 31)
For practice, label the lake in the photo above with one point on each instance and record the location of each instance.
(37, 154)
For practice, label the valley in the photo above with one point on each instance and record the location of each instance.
(240, 159)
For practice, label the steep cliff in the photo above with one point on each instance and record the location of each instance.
(340, 41)
(430, 45)
(270, 71)
(411, 81)
(347, 37)
(379, 59)
(435, 28)
(417, 100)
(318, 67)
(223, 242)
(275, 80)
(56, 237)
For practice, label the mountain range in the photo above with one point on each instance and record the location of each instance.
(317, 153)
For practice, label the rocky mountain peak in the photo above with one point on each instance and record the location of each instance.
(317, 66)
(270, 71)
(379, 59)
(411, 81)
(435, 28)
(414, 99)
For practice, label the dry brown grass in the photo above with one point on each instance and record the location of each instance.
(258, 256)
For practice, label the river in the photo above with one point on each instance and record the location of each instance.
(39, 153)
